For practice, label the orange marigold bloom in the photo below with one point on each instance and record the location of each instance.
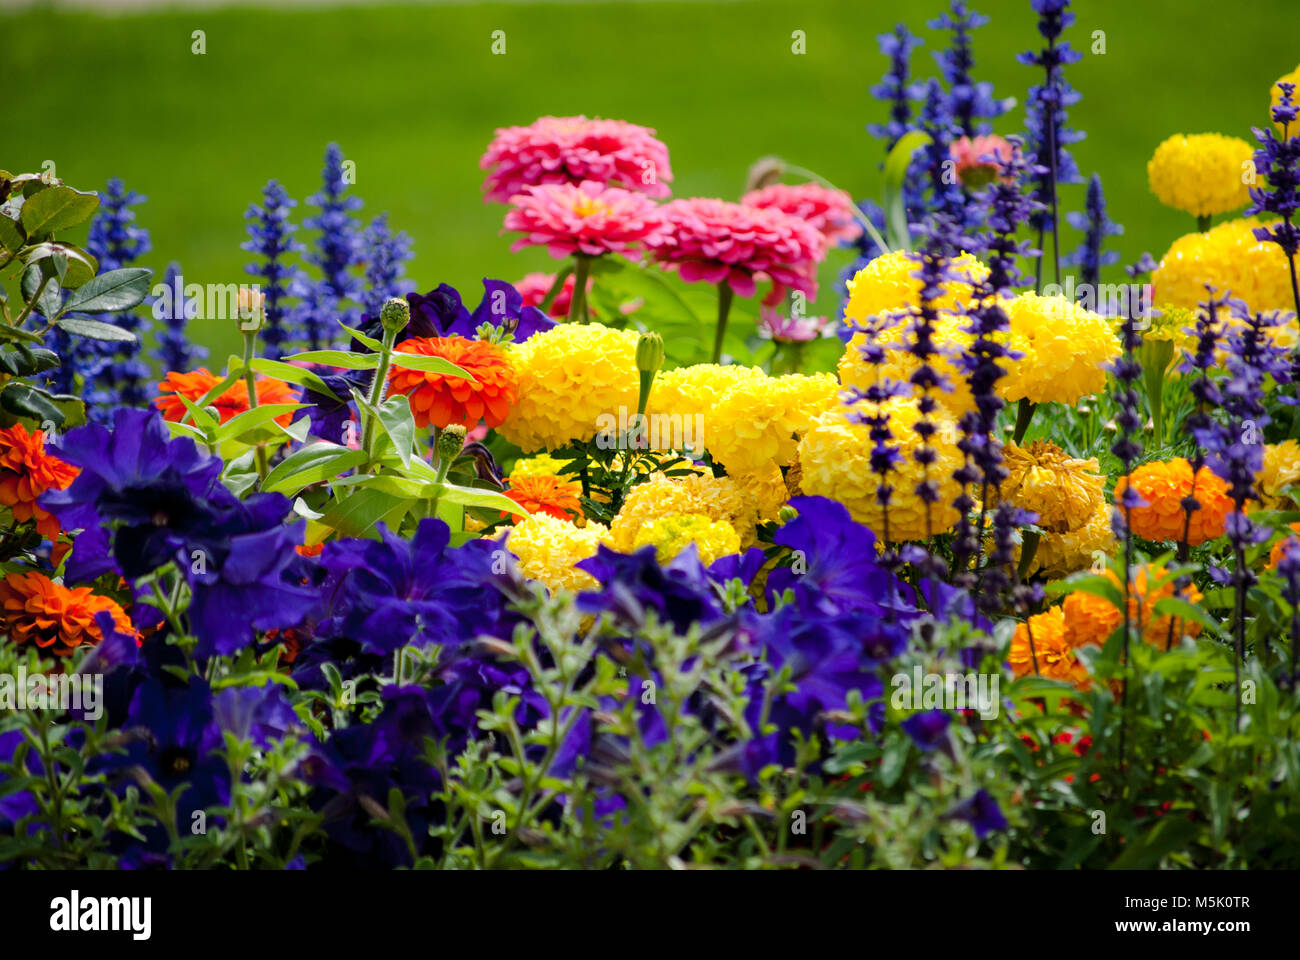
(231, 403)
(1163, 485)
(441, 399)
(1091, 619)
(26, 472)
(1275, 555)
(1050, 655)
(545, 494)
(34, 608)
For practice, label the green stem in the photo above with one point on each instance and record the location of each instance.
(578, 312)
(250, 380)
(1203, 222)
(22, 317)
(556, 287)
(725, 295)
(1024, 414)
(377, 388)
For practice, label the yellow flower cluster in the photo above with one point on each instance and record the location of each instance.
(1061, 554)
(1281, 470)
(673, 534)
(1231, 259)
(1064, 491)
(569, 376)
(717, 498)
(693, 392)
(834, 461)
(1066, 349)
(760, 420)
(886, 286)
(765, 487)
(540, 465)
(548, 547)
(1201, 174)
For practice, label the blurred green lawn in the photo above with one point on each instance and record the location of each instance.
(413, 95)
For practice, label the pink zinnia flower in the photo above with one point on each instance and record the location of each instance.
(574, 149)
(978, 161)
(535, 286)
(830, 212)
(775, 325)
(588, 218)
(717, 241)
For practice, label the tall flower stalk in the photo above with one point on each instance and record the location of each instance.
(970, 103)
(386, 255)
(1045, 121)
(1278, 160)
(175, 351)
(1096, 226)
(336, 251)
(271, 238)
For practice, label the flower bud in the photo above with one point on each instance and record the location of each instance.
(251, 309)
(650, 353)
(451, 439)
(395, 315)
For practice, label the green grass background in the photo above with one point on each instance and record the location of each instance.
(413, 95)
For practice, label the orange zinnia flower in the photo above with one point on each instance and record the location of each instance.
(26, 472)
(231, 403)
(440, 399)
(545, 494)
(35, 608)
(1163, 485)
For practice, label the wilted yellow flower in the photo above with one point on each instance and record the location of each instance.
(570, 377)
(760, 420)
(548, 547)
(1201, 174)
(1281, 469)
(671, 535)
(1061, 554)
(718, 498)
(1065, 350)
(834, 462)
(1064, 491)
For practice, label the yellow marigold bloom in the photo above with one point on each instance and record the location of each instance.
(1091, 619)
(1281, 470)
(569, 378)
(1039, 648)
(1169, 322)
(1065, 350)
(1064, 491)
(548, 548)
(952, 341)
(1061, 554)
(671, 535)
(1275, 554)
(761, 420)
(1275, 95)
(834, 462)
(765, 488)
(1201, 174)
(1233, 260)
(540, 465)
(718, 498)
(1163, 485)
(691, 394)
(886, 285)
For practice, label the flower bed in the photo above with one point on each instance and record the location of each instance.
(638, 565)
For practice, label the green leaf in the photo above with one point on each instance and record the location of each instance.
(187, 430)
(396, 420)
(413, 361)
(24, 400)
(57, 208)
(339, 358)
(11, 237)
(473, 497)
(357, 514)
(203, 419)
(314, 463)
(95, 330)
(24, 361)
(891, 765)
(291, 374)
(108, 292)
(896, 164)
(80, 267)
(250, 420)
(51, 297)
(371, 342)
